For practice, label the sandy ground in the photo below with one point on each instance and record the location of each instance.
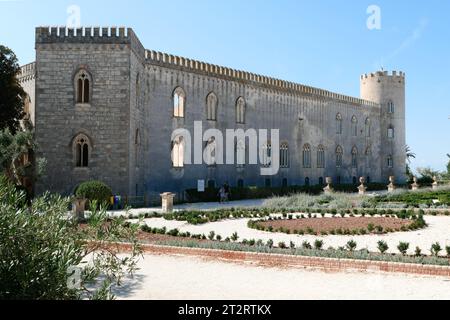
(183, 277)
(438, 231)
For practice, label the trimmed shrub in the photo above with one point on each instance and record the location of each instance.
(318, 244)
(403, 247)
(382, 246)
(435, 249)
(351, 245)
(94, 191)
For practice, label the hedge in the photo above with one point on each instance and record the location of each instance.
(94, 191)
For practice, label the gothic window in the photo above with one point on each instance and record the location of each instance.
(211, 107)
(83, 84)
(354, 157)
(368, 128)
(210, 152)
(138, 90)
(240, 154)
(339, 154)
(306, 156)
(240, 110)
(390, 162)
(267, 155)
(137, 142)
(284, 155)
(179, 103)
(178, 152)
(391, 107)
(82, 148)
(338, 124)
(354, 126)
(321, 157)
(391, 133)
(368, 155)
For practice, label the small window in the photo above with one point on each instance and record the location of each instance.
(210, 152)
(354, 126)
(390, 162)
(81, 145)
(240, 110)
(267, 155)
(391, 107)
(240, 154)
(321, 157)
(354, 157)
(339, 154)
(284, 183)
(307, 182)
(83, 83)
(368, 128)
(179, 103)
(338, 124)
(306, 156)
(178, 152)
(284, 155)
(321, 181)
(391, 133)
(211, 107)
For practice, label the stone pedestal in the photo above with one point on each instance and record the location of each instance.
(415, 186)
(391, 186)
(78, 207)
(167, 202)
(362, 188)
(435, 184)
(328, 189)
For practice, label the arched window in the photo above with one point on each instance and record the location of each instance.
(210, 152)
(137, 143)
(355, 157)
(307, 182)
(390, 162)
(306, 156)
(338, 124)
(26, 107)
(211, 107)
(240, 154)
(178, 152)
(83, 85)
(179, 102)
(82, 149)
(240, 110)
(354, 126)
(391, 132)
(321, 157)
(339, 154)
(368, 128)
(391, 107)
(267, 155)
(368, 155)
(284, 155)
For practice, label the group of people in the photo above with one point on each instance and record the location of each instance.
(224, 193)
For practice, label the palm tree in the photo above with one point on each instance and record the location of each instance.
(409, 154)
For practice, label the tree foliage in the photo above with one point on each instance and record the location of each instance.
(46, 255)
(12, 94)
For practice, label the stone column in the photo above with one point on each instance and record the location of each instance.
(415, 186)
(391, 186)
(78, 207)
(362, 188)
(328, 189)
(435, 183)
(167, 202)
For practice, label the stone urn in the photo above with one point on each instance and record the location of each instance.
(415, 186)
(328, 189)
(78, 208)
(391, 186)
(362, 188)
(167, 202)
(435, 184)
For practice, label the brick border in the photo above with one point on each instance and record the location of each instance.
(290, 261)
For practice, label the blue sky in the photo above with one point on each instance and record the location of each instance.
(322, 43)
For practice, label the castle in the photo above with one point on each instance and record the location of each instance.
(105, 108)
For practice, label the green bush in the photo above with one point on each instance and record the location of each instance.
(436, 249)
(403, 247)
(351, 245)
(94, 191)
(383, 246)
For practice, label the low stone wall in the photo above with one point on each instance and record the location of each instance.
(289, 261)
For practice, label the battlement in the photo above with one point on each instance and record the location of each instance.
(27, 72)
(168, 60)
(120, 35)
(393, 74)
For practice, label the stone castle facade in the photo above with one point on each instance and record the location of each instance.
(105, 108)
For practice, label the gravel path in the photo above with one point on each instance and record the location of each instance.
(438, 231)
(160, 278)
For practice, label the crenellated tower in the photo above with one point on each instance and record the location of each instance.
(388, 90)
